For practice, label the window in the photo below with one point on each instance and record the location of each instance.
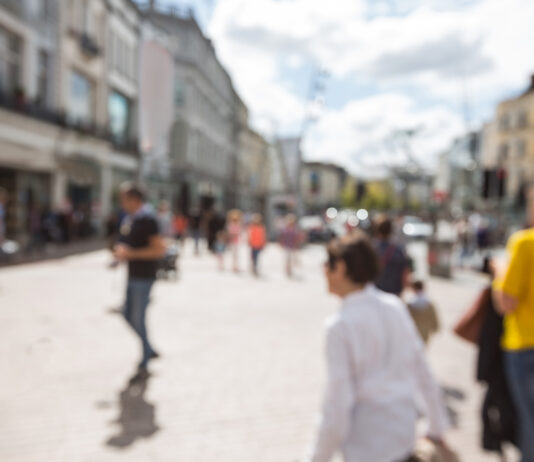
(505, 122)
(522, 120)
(521, 149)
(119, 116)
(10, 61)
(503, 152)
(80, 99)
(42, 78)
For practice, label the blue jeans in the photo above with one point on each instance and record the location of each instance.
(520, 374)
(255, 254)
(137, 299)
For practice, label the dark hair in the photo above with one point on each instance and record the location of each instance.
(133, 190)
(359, 256)
(418, 286)
(383, 226)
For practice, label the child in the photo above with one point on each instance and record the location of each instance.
(423, 311)
(234, 230)
(256, 240)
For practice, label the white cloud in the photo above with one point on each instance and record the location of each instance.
(361, 134)
(437, 49)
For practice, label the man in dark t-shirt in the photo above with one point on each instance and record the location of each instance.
(141, 246)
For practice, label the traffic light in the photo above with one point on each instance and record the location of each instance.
(502, 175)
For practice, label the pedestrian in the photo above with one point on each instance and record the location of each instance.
(423, 311)
(214, 223)
(3, 204)
(219, 249)
(395, 266)
(234, 229)
(514, 294)
(180, 224)
(35, 229)
(195, 227)
(290, 239)
(483, 326)
(376, 366)
(257, 238)
(165, 219)
(141, 246)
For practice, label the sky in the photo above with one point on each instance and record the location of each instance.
(438, 67)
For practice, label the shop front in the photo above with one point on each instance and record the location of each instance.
(28, 199)
(79, 213)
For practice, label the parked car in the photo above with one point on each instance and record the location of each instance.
(316, 229)
(415, 228)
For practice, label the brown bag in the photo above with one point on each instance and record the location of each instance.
(470, 324)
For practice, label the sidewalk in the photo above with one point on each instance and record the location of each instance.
(240, 376)
(54, 251)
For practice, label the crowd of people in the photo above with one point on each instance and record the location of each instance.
(378, 379)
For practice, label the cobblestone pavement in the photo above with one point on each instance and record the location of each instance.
(239, 378)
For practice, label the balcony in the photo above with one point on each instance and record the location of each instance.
(18, 104)
(88, 45)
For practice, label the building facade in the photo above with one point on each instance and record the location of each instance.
(458, 182)
(321, 186)
(508, 152)
(59, 151)
(252, 169)
(203, 151)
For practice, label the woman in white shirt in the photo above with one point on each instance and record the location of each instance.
(376, 366)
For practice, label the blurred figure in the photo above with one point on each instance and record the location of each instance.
(195, 227)
(180, 224)
(376, 366)
(499, 417)
(257, 238)
(464, 239)
(221, 242)
(514, 293)
(234, 229)
(214, 223)
(395, 267)
(35, 229)
(290, 241)
(3, 204)
(423, 311)
(142, 246)
(165, 219)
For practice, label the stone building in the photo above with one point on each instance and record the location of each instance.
(203, 137)
(60, 148)
(508, 147)
(321, 185)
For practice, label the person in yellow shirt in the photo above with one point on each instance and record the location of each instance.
(514, 294)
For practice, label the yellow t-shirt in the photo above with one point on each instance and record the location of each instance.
(519, 283)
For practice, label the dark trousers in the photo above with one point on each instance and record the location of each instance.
(135, 306)
(520, 374)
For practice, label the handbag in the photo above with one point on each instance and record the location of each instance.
(470, 324)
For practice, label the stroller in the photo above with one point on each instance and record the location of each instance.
(168, 265)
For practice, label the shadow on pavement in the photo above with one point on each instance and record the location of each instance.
(136, 417)
(452, 396)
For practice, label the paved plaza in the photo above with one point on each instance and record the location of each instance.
(240, 373)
